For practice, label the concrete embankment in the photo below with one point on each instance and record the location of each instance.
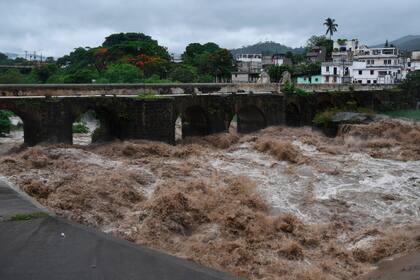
(37, 246)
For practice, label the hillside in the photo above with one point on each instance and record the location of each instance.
(406, 43)
(265, 48)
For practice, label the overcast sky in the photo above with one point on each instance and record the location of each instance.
(55, 27)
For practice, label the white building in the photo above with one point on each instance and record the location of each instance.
(414, 63)
(336, 72)
(249, 68)
(355, 63)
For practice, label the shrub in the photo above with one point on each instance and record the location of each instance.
(323, 118)
(290, 88)
(5, 123)
(80, 128)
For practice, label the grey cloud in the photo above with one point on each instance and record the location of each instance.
(56, 27)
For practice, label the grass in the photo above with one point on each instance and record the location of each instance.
(409, 114)
(149, 96)
(28, 216)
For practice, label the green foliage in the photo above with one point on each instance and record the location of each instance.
(209, 59)
(44, 72)
(149, 96)
(296, 58)
(81, 76)
(123, 73)
(4, 59)
(11, 76)
(331, 26)
(29, 216)
(412, 82)
(5, 123)
(321, 41)
(184, 74)
(326, 116)
(156, 79)
(291, 89)
(266, 48)
(80, 127)
(276, 72)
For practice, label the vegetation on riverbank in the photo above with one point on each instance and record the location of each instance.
(5, 123)
(81, 128)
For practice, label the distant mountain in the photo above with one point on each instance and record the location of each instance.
(266, 48)
(11, 55)
(407, 43)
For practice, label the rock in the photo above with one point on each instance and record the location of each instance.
(350, 117)
(286, 78)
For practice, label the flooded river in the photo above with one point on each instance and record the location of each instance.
(283, 201)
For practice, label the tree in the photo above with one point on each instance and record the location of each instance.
(11, 76)
(412, 82)
(321, 41)
(44, 72)
(3, 57)
(5, 123)
(221, 64)
(183, 74)
(331, 26)
(81, 76)
(276, 72)
(123, 73)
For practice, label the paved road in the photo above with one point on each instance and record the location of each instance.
(53, 248)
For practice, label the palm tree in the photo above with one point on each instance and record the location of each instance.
(331, 26)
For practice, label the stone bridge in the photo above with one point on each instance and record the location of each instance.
(49, 117)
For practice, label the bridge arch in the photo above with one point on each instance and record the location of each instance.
(101, 125)
(194, 121)
(249, 119)
(30, 123)
(293, 115)
(11, 128)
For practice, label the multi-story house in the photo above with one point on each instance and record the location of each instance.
(354, 63)
(249, 68)
(378, 66)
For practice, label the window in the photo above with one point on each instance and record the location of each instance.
(327, 69)
(375, 81)
(360, 72)
(327, 79)
(368, 81)
(316, 79)
(372, 72)
(359, 81)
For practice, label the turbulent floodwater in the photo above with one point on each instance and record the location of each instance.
(366, 189)
(279, 204)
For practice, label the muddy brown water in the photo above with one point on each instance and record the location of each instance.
(278, 204)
